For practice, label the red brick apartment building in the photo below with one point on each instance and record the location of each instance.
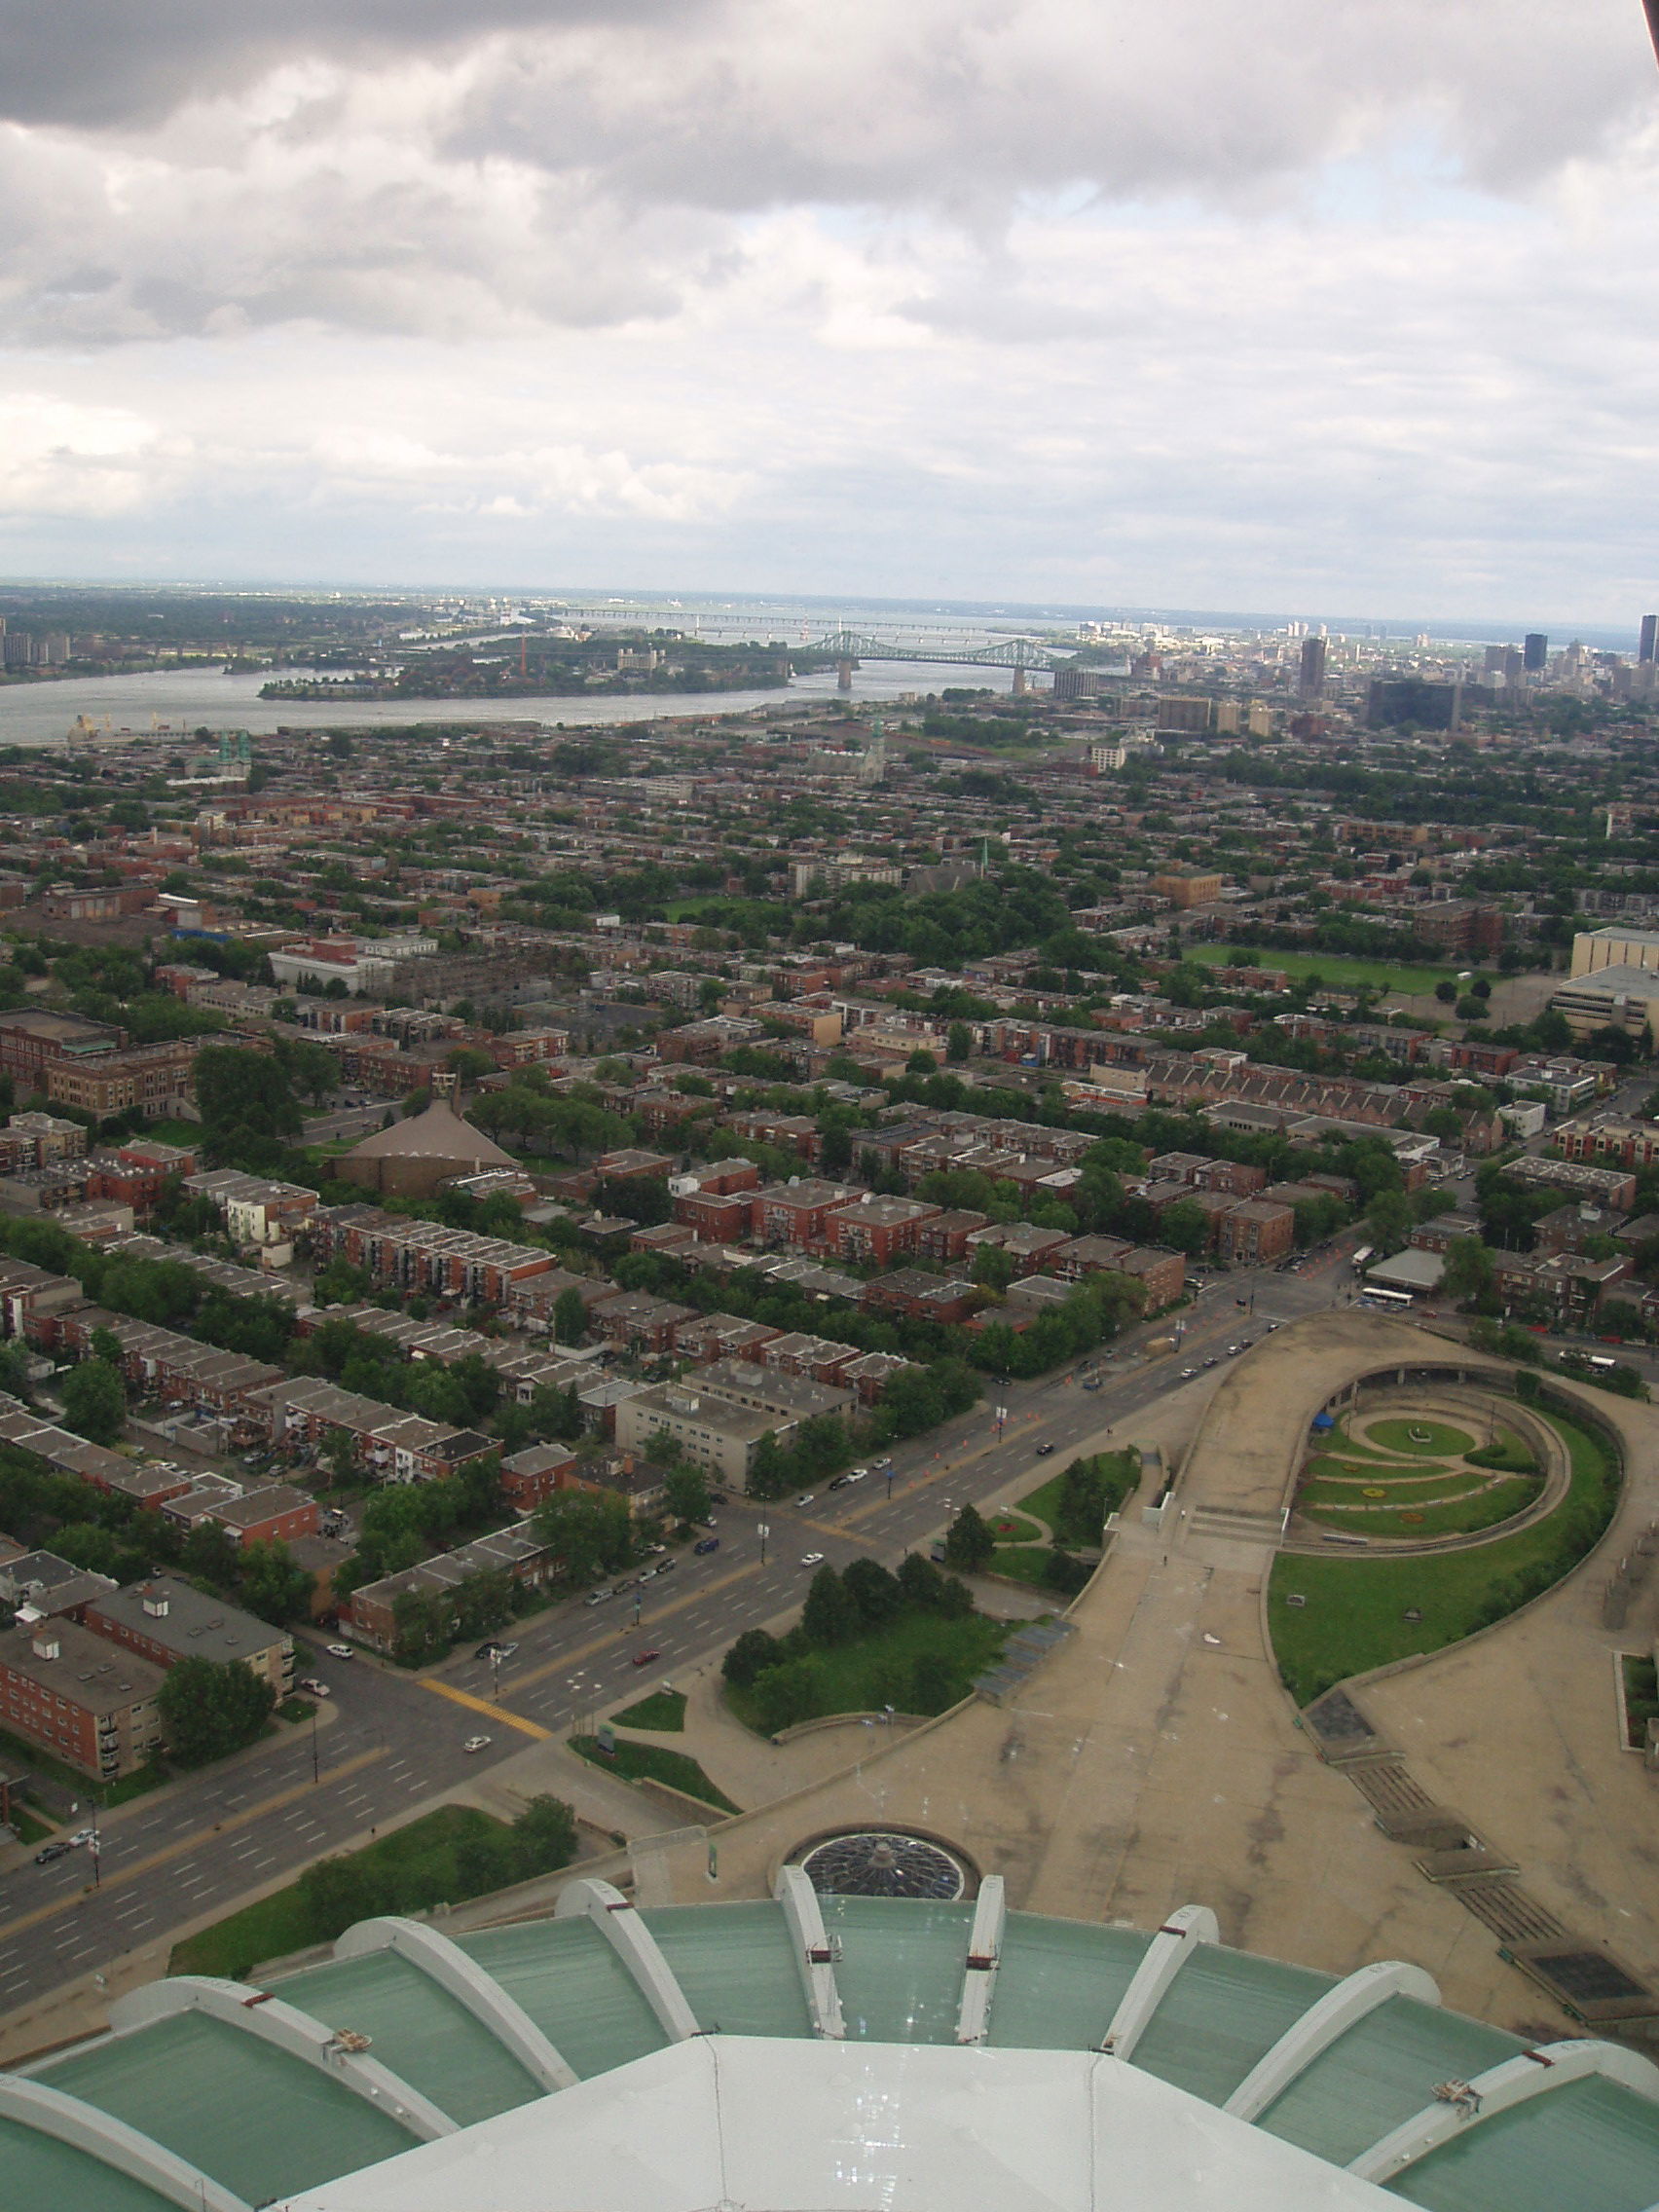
(80, 1698)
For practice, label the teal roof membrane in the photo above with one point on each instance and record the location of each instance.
(1589, 2145)
(736, 1965)
(418, 2030)
(263, 2123)
(574, 1988)
(1060, 1981)
(899, 1971)
(39, 2175)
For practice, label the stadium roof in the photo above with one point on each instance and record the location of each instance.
(808, 2054)
(438, 1132)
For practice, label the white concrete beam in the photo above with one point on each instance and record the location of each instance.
(1516, 2081)
(984, 1955)
(616, 1920)
(1166, 1955)
(799, 1901)
(1331, 2016)
(446, 1964)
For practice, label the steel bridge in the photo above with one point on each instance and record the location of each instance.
(850, 647)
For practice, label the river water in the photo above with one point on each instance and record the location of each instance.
(192, 698)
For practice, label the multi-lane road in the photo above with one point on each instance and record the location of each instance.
(392, 1740)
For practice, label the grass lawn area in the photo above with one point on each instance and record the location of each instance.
(663, 1710)
(876, 1670)
(187, 1134)
(1355, 1615)
(29, 1829)
(1014, 1529)
(1024, 1562)
(280, 1924)
(649, 1762)
(1435, 1440)
(1333, 967)
(1438, 1517)
(1431, 1489)
(1328, 1468)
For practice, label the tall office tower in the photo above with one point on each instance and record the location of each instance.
(1535, 652)
(1649, 637)
(1311, 683)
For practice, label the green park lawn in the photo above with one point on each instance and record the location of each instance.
(1436, 1439)
(872, 1672)
(1012, 1528)
(663, 1710)
(1354, 1617)
(651, 1763)
(1339, 972)
(280, 1924)
(1447, 1515)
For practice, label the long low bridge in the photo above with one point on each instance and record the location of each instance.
(850, 647)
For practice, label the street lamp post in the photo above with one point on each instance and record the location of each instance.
(316, 1774)
(763, 1529)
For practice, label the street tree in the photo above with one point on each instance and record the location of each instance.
(210, 1708)
(968, 1544)
(95, 1402)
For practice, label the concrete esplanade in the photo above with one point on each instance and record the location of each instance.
(1155, 1758)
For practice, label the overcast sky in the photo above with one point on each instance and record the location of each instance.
(1304, 305)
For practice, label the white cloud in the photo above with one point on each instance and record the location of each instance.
(1194, 303)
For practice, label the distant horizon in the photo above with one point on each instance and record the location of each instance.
(1602, 633)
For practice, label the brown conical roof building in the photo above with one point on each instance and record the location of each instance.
(411, 1159)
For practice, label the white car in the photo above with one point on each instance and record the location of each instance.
(807, 1497)
(340, 1650)
(477, 1743)
(812, 1559)
(82, 1837)
(310, 1684)
(855, 1474)
(598, 1597)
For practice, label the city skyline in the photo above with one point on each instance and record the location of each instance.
(979, 306)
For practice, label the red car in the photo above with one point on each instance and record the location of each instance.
(645, 1658)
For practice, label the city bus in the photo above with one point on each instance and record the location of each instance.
(1374, 1295)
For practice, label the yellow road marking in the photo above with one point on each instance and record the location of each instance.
(495, 1712)
(194, 1842)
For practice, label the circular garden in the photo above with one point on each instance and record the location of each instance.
(1404, 1478)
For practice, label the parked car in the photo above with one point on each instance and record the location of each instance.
(477, 1743)
(807, 1497)
(707, 1544)
(82, 1837)
(598, 1597)
(855, 1474)
(667, 1565)
(645, 1658)
(1187, 1374)
(340, 1650)
(50, 1851)
(310, 1684)
(838, 1482)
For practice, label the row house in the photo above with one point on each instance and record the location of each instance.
(1611, 1143)
(713, 1217)
(39, 1140)
(1254, 1232)
(796, 1213)
(369, 1617)
(528, 1478)
(1162, 1275)
(668, 1113)
(1236, 1177)
(872, 1371)
(921, 1297)
(273, 1513)
(702, 1042)
(137, 1174)
(819, 1358)
(1611, 1187)
(255, 1209)
(722, 1335)
(943, 1237)
(640, 1322)
(425, 1255)
(1029, 1247)
(877, 1230)
(674, 1238)
(1569, 1283)
(393, 1445)
(146, 1483)
(789, 1132)
(161, 1363)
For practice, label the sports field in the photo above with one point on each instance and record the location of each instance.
(1342, 974)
